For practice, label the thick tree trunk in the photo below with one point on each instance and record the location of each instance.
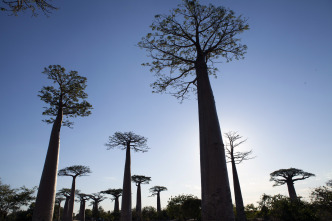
(47, 187)
(82, 210)
(139, 202)
(216, 195)
(95, 209)
(71, 201)
(59, 209)
(158, 202)
(116, 204)
(126, 195)
(65, 208)
(291, 190)
(241, 216)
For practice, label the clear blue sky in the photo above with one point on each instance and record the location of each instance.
(279, 97)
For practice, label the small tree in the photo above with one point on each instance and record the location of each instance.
(73, 171)
(289, 176)
(127, 141)
(156, 192)
(183, 47)
(235, 140)
(116, 193)
(58, 200)
(16, 6)
(67, 98)
(138, 180)
(97, 198)
(83, 198)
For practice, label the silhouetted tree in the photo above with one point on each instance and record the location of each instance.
(97, 198)
(127, 141)
(185, 45)
(289, 176)
(16, 6)
(138, 180)
(58, 200)
(116, 193)
(66, 193)
(83, 198)
(156, 192)
(66, 99)
(234, 140)
(73, 171)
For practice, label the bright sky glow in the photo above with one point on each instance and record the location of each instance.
(279, 97)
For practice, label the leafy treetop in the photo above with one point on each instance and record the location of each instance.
(127, 140)
(68, 95)
(66, 192)
(157, 189)
(283, 176)
(190, 33)
(116, 193)
(140, 179)
(75, 171)
(16, 6)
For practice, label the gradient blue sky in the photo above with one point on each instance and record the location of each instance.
(279, 97)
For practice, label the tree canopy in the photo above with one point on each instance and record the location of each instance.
(68, 95)
(191, 31)
(116, 193)
(140, 179)
(16, 6)
(235, 140)
(124, 140)
(283, 176)
(75, 171)
(157, 189)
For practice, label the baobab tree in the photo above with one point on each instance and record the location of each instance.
(83, 198)
(58, 200)
(183, 47)
(116, 193)
(73, 171)
(233, 141)
(127, 141)
(138, 180)
(65, 192)
(156, 192)
(67, 99)
(289, 176)
(97, 198)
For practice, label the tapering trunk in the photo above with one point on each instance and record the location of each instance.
(59, 209)
(47, 187)
(240, 214)
(216, 195)
(65, 208)
(139, 202)
(158, 202)
(71, 201)
(291, 190)
(82, 210)
(126, 194)
(116, 204)
(95, 211)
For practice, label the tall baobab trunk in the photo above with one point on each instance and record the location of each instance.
(139, 202)
(82, 210)
(291, 190)
(241, 216)
(116, 204)
(71, 201)
(59, 209)
(158, 202)
(216, 195)
(65, 208)
(126, 195)
(47, 187)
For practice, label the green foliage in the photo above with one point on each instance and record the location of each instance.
(183, 207)
(189, 32)
(13, 199)
(321, 198)
(149, 213)
(67, 95)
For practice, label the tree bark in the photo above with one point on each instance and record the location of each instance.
(240, 214)
(216, 195)
(71, 201)
(139, 201)
(65, 208)
(291, 190)
(47, 187)
(116, 204)
(158, 202)
(82, 210)
(126, 195)
(59, 209)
